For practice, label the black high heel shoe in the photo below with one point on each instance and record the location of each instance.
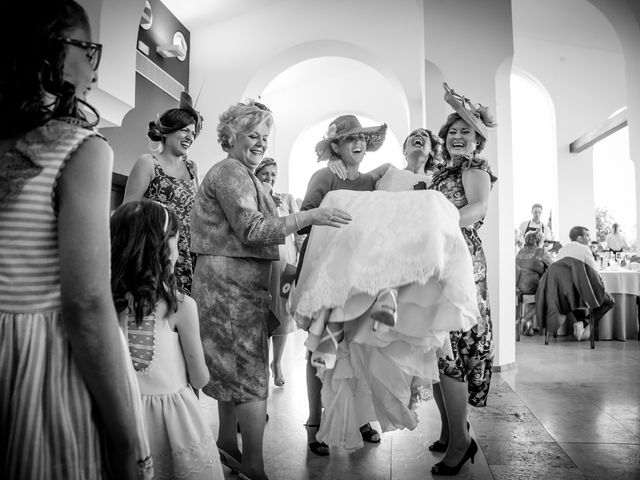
(369, 434)
(319, 448)
(441, 447)
(442, 468)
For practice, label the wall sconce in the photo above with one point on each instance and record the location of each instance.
(171, 51)
(177, 49)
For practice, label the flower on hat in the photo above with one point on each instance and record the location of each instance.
(331, 131)
(485, 115)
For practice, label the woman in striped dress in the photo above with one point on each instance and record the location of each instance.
(69, 403)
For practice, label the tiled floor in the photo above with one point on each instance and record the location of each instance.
(566, 412)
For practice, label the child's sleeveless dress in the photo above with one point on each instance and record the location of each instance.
(49, 425)
(182, 444)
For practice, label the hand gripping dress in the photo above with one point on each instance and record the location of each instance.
(407, 240)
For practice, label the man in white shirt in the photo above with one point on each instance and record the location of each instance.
(615, 241)
(579, 249)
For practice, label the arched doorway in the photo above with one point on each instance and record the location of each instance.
(534, 148)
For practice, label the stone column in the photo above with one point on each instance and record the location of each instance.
(470, 46)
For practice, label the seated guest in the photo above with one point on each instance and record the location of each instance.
(531, 262)
(536, 223)
(615, 242)
(594, 247)
(578, 248)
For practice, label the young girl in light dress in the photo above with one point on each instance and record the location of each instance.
(164, 340)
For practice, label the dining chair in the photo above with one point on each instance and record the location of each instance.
(593, 327)
(523, 300)
(567, 286)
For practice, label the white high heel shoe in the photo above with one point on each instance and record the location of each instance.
(384, 308)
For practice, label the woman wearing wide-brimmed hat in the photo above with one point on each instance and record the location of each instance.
(466, 180)
(348, 140)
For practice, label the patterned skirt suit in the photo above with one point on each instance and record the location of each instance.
(235, 232)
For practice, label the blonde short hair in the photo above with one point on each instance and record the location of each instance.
(241, 118)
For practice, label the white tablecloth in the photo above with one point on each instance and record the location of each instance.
(621, 322)
(621, 281)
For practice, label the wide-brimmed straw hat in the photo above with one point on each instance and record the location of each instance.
(346, 125)
(476, 115)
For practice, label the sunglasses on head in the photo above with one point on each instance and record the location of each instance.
(261, 106)
(94, 50)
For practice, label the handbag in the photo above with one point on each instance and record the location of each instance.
(286, 279)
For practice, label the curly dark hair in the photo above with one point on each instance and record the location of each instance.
(32, 85)
(435, 156)
(170, 121)
(533, 238)
(141, 267)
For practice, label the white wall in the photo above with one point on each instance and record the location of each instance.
(586, 85)
(470, 46)
(625, 16)
(293, 95)
(114, 23)
(247, 52)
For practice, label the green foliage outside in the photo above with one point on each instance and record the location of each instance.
(604, 220)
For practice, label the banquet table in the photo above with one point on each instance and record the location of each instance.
(621, 322)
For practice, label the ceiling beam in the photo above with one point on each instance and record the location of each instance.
(612, 125)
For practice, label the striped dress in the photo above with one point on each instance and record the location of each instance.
(49, 426)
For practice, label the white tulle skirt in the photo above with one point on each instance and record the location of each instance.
(411, 242)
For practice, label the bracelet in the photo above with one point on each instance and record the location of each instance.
(295, 217)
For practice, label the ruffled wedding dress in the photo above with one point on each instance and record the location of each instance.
(406, 240)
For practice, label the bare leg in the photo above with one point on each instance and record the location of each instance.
(252, 421)
(444, 421)
(314, 387)
(227, 430)
(279, 342)
(455, 396)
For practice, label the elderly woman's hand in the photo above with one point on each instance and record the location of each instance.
(277, 199)
(329, 216)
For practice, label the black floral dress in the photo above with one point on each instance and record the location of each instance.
(177, 195)
(472, 359)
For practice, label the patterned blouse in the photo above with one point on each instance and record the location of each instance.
(448, 180)
(177, 195)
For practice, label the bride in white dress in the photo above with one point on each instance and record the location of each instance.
(407, 244)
